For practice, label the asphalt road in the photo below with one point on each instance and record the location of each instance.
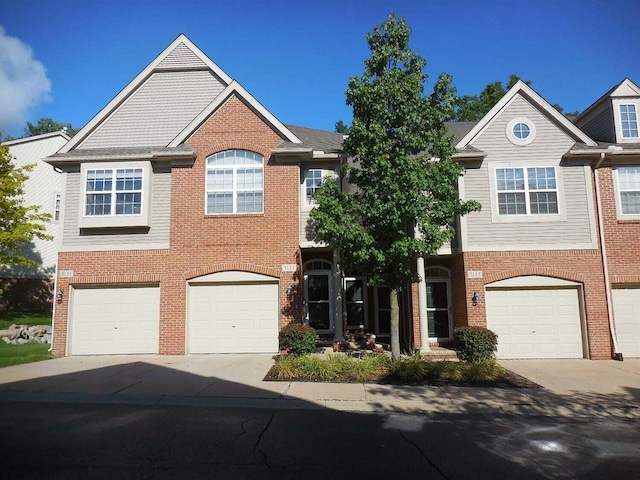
(90, 441)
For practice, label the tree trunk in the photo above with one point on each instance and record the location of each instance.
(395, 324)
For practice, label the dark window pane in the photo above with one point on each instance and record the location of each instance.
(319, 315)
(353, 291)
(355, 315)
(318, 288)
(384, 322)
(437, 295)
(438, 324)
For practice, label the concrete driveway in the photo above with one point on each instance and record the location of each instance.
(579, 375)
(571, 387)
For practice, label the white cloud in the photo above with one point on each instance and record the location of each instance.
(23, 81)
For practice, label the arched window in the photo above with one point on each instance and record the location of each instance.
(235, 182)
(440, 272)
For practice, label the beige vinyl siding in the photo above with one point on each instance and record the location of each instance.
(308, 237)
(572, 229)
(90, 239)
(39, 190)
(599, 124)
(158, 111)
(181, 57)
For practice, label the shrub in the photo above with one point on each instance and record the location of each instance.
(475, 344)
(298, 339)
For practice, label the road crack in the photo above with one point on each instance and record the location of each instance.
(423, 455)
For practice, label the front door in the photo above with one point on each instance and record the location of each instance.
(355, 302)
(318, 299)
(382, 301)
(438, 309)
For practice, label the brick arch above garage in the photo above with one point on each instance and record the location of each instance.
(232, 266)
(536, 271)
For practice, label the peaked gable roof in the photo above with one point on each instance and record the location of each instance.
(184, 81)
(524, 90)
(624, 88)
(35, 138)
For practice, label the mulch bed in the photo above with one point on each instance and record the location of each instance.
(510, 380)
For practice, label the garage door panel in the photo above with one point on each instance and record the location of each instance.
(115, 320)
(239, 318)
(626, 307)
(535, 323)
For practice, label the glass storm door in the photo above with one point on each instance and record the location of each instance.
(318, 300)
(438, 309)
(354, 297)
(383, 310)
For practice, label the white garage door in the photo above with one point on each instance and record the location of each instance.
(535, 322)
(115, 320)
(238, 317)
(626, 308)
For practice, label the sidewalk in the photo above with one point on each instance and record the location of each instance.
(236, 381)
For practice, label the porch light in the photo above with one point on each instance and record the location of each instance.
(59, 295)
(475, 298)
(290, 290)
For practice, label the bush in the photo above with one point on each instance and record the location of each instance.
(475, 344)
(298, 339)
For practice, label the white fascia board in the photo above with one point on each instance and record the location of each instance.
(532, 96)
(233, 87)
(625, 88)
(35, 138)
(322, 154)
(134, 84)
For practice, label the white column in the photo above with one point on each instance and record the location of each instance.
(336, 284)
(422, 308)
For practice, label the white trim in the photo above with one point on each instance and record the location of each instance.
(528, 217)
(523, 89)
(233, 88)
(464, 236)
(113, 220)
(532, 281)
(616, 187)
(115, 247)
(617, 114)
(232, 276)
(234, 188)
(18, 141)
(511, 136)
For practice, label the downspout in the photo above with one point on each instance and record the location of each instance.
(605, 264)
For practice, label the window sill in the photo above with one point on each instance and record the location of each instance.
(231, 215)
(629, 221)
(114, 221)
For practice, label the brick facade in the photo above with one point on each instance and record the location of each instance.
(202, 244)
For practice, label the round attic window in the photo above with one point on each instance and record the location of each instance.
(521, 131)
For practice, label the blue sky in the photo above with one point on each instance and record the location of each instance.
(67, 59)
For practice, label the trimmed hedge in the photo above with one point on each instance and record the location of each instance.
(298, 339)
(475, 344)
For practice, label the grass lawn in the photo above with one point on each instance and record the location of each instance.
(381, 369)
(32, 352)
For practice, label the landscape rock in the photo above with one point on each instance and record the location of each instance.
(21, 334)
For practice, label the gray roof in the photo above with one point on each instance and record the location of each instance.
(120, 153)
(459, 129)
(325, 141)
(321, 140)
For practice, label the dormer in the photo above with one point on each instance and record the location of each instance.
(614, 117)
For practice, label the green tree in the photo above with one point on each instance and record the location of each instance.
(474, 107)
(404, 199)
(47, 125)
(19, 224)
(341, 127)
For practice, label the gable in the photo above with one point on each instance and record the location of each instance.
(626, 89)
(181, 57)
(548, 134)
(157, 110)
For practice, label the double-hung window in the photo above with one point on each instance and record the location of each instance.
(629, 120)
(629, 189)
(235, 182)
(113, 191)
(312, 183)
(527, 191)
